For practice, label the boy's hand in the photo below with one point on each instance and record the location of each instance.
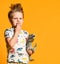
(18, 27)
(30, 52)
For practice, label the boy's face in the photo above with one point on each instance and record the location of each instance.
(17, 18)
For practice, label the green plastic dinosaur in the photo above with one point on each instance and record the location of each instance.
(29, 45)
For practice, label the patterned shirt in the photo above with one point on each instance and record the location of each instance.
(18, 53)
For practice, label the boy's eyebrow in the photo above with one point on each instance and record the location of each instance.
(16, 18)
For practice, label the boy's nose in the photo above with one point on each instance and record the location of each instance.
(17, 19)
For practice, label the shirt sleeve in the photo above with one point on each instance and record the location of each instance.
(26, 34)
(7, 33)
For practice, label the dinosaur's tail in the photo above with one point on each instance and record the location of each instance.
(35, 47)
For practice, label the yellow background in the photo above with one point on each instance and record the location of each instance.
(42, 17)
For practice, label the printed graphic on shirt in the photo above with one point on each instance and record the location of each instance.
(18, 53)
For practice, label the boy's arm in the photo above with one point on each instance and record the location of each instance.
(12, 41)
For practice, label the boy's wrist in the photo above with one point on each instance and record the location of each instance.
(16, 33)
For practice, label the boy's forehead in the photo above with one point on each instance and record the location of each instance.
(17, 14)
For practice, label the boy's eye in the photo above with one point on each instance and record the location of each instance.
(14, 18)
(20, 18)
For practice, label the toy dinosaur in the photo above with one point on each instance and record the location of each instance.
(29, 44)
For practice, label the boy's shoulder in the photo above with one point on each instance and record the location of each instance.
(8, 32)
(25, 32)
(9, 29)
